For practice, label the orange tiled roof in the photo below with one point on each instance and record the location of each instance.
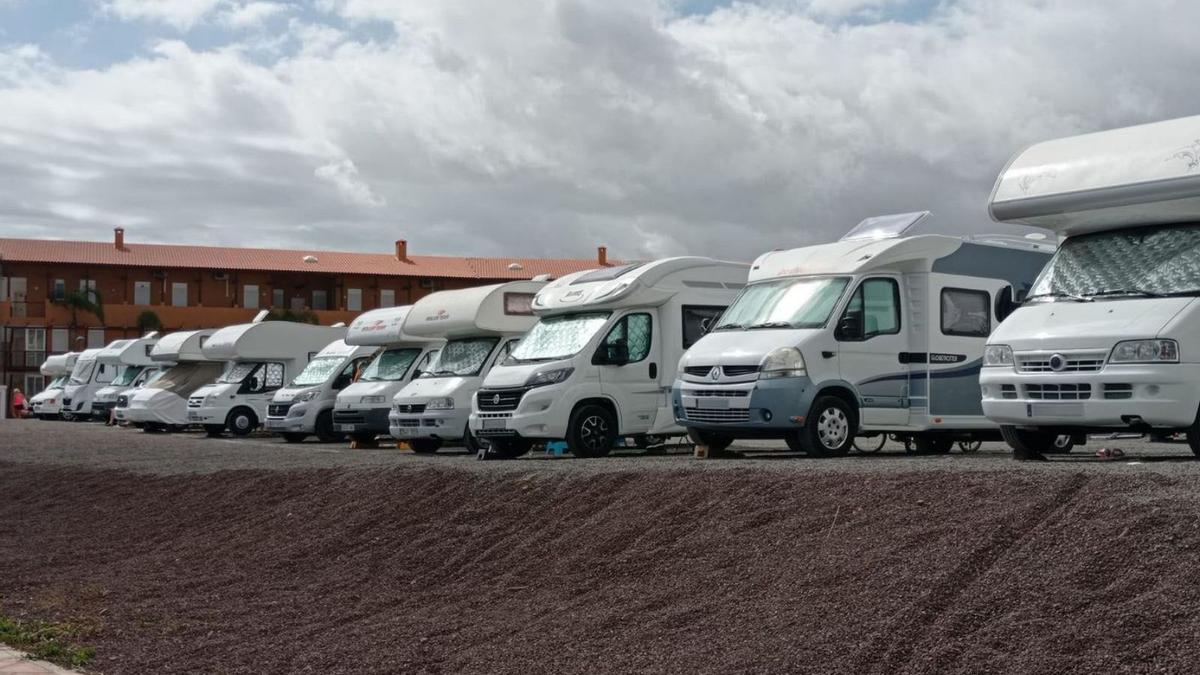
(277, 260)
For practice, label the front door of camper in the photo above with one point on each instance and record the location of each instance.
(872, 341)
(628, 360)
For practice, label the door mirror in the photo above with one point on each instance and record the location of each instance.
(1020, 296)
(851, 327)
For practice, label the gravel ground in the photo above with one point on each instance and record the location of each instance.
(186, 554)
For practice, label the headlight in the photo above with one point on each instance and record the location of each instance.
(444, 403)
(373, 399)
(306, 396)
(1145, 351)
(783, 362)
(682, 364)
(548, 377)
(997, 355)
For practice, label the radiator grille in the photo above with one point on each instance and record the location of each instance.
(1071, 363)
(717, 415)
(493, 400)
(1059, 392)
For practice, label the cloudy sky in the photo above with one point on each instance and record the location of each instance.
(546, 127)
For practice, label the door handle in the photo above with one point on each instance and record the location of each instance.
(828, 355)
(654, 371)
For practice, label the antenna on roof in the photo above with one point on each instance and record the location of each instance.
(260, 317)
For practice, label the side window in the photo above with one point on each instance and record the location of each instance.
(349, 373)
(273, 377)
(425, 362)
(629, 337)
(698, 320)
(966, 313)
(874, 309)
(506, 349)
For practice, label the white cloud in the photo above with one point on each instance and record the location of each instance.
(343, 175)
(253, 14)
(181, 14)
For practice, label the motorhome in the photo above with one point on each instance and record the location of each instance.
(88, 375)
(131, 358)
(876, 333)
(1104, 341)
(481, 326)
(261, 357)
(361, 410)
(148, 376)
(47, 403)
(599, 364)
(305, 406)
(162, 404)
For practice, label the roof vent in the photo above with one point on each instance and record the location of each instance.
(602, 255)
(515, 267)
(310, 258)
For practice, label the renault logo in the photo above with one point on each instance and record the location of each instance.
(1058, 362)
(715, 373)
(496, 399)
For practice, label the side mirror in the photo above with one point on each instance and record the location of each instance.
(1020, 296)
(851, 327)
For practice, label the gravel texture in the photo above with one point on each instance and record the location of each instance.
(188, 554)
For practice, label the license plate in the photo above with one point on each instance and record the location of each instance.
(495, 423)
(1055, 410)
(712, 403)
(407, 431)
(194, 417)
(345, 427)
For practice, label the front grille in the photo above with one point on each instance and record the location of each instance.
(717, 393)
(278, 409)
(698, 371)
(349, 417)
(717, 415)
(1059, 392)
(409, 408)
(67, 402)
(1008, 391)
(408, 423)
(739, 371)
(196, 402)
(1072, 363)
(122, 401)
(493, 400)
(1118, 391)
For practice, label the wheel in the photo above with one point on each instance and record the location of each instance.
(509, 448)
(870, 444)
(592, 432)
(294, 437)
(241, 421)
(932, 445)
(970, 446)
(214, 430)
(1030, 445)
(424, 446)
(829, 431)
(714, 441)
(1062, 445)
(324, 429)
(471, 442)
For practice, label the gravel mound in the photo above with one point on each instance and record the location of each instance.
(446, 571)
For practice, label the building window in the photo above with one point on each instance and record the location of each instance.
(966, 313)
(354, 299)
(141, 292)
(88, 287)
(179, 294)
(277, 297)
(387, 297)
(60, 341)
(13, 288)
(95, 338)
(34, 384)
(319, 300)
(250, 296)
(60, 289)
(297, 303)
(35, 347)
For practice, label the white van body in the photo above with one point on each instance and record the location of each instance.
(1107, 337)
(305, 406)
(130, 357)
(88, 376)
(261, 357)
(361, 410)
(162, 404)
(480, 325)
(561, 382)
(47, 403)
(883, 333)
(147, 376)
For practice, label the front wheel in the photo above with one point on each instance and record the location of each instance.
(424, 446)
(241, 421)
(829, 430)
(325, 431)
(471, 442)
(713, 441)
(1030, 444)
(509, 448)
(1062, 445)
(294, 437)
(592, 432)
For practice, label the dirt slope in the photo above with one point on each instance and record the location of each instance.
(438, 570)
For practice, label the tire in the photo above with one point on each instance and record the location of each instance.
(1029, 445)
(241, 421)
(294, 437)
(509, 448)
(592, 431)
(214, 430)
(969, 446)
(714, 441)
(324, 429)
(869, 445)
(471, 442)
(425, 446)
(932, 445)
(829, 429)
(1062, 445)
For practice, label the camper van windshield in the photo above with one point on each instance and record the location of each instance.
(462, 358)
(803, 302)
(389, 365)
(127, 375)
(1128, 263)
(558, 337)
(149, 377)
(82, 374)
(185, 378)
(58, 382)
(238, 372)
(318, 370)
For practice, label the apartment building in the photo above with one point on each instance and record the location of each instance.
(180, 287)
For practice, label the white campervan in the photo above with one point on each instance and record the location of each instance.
(1106, 339)
(876, 333)
(47, 403)
(262, 356)
(305, 406)
(600, 362)
(130, 357)
(148, 376)
(162, 404)
(88, 375)
(481, 326)
(361, 410)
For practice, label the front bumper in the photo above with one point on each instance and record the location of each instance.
(102, 408)
(361, 420)
(298, 418)
(447, 425)
(756, 409)
(1117, 396)
(541, 412)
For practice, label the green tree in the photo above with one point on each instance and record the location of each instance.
(148, 321)
(298, 316)
(86, 300)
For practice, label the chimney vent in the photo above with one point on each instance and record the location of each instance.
(602, 256)
(402, 250)
(119, 238)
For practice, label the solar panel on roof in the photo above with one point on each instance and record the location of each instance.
(605, 274)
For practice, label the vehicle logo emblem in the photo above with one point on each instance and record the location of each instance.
(496, 399)
(1058, 362)
(715, 373)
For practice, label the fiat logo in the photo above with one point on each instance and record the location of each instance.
(496, 399)
(1058, 362)
(715, 373)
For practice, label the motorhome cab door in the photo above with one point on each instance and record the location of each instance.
(873, 349)
(629, 360)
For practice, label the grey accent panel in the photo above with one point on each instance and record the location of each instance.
(956, 392)
(1018, 268)
(1150, 192)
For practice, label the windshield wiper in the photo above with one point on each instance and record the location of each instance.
(1060, 294)
(1127, 291)
(769, 324)
(729, 326)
